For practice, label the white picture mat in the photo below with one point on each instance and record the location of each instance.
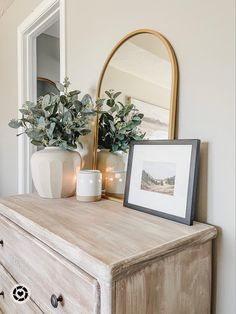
(177, 154)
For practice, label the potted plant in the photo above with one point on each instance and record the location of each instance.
(56, 122)
(117, 127)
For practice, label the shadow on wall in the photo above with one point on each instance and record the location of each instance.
(201, 204)
(201, 215)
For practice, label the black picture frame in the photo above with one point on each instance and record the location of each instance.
(192, 181)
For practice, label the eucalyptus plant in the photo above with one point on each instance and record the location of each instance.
(56, 120)
(119, 125)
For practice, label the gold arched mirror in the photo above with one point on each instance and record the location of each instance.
(143, 67)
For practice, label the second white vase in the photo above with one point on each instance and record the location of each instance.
(111, 161)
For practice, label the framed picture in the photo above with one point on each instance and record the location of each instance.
(162, 178)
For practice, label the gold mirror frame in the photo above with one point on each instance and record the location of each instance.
(174, 84)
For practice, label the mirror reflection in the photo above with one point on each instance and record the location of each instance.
(143, 68)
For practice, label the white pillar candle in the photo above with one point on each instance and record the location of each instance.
(115, 182)
(89, 185)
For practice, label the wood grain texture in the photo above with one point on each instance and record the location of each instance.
(94, 235)
(128, 253)
(176, 284)
(7, 305)
(45, 273)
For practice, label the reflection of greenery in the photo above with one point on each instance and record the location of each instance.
(118, 126)
(56, 120)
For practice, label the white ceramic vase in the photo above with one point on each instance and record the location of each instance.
(108, 162)
(54, 172)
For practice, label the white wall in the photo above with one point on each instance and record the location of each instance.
(202, 34)
(134, 86)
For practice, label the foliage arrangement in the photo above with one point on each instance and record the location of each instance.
(119, 125)
(56, 120)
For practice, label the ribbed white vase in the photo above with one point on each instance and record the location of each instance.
(54, 172)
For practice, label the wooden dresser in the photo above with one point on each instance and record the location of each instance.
(101, 258)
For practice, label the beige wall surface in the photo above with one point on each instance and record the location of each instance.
(202, 34)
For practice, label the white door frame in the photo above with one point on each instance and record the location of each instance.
(37, 22)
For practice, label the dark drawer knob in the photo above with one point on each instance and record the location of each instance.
(2, 294)
(1, 242)
(55, 300)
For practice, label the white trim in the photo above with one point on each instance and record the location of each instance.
(62, 40)
(39, 20)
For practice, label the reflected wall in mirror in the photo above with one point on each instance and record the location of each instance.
(143, 67)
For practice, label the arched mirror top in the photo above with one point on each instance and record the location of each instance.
(143, 66)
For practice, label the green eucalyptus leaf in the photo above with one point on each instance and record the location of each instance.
(136, 137)
(36, 143)
(85, 131)
(66, 82)
(100, 102)
(60, 86)
(78, 105)
(29, 104)
(15, 124)
(38, 112)
(67, 117)
(25, 111)
(120, 136)
(63, 145)
(63, 99)
(86, 100)
(56, 120)
(55, 99)
(114, 147)
(141, 115)
(53, 142)
(51, 129)
(112, 126)
(136, 118)
(41, 122)
(116, 95)
(74, 92)
(110, 102)
(108, 93)
(46, 100)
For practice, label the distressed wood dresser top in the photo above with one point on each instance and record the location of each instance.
(103, 237)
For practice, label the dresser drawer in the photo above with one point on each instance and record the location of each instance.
(7, 305)
(46, 273)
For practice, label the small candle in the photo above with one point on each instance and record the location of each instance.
(89, 185)
(115, 182)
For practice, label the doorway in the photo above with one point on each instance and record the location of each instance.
(41, 61)
(48, 60)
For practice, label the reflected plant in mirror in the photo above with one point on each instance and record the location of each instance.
(118, 125)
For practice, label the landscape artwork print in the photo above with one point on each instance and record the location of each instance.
(158, 177)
